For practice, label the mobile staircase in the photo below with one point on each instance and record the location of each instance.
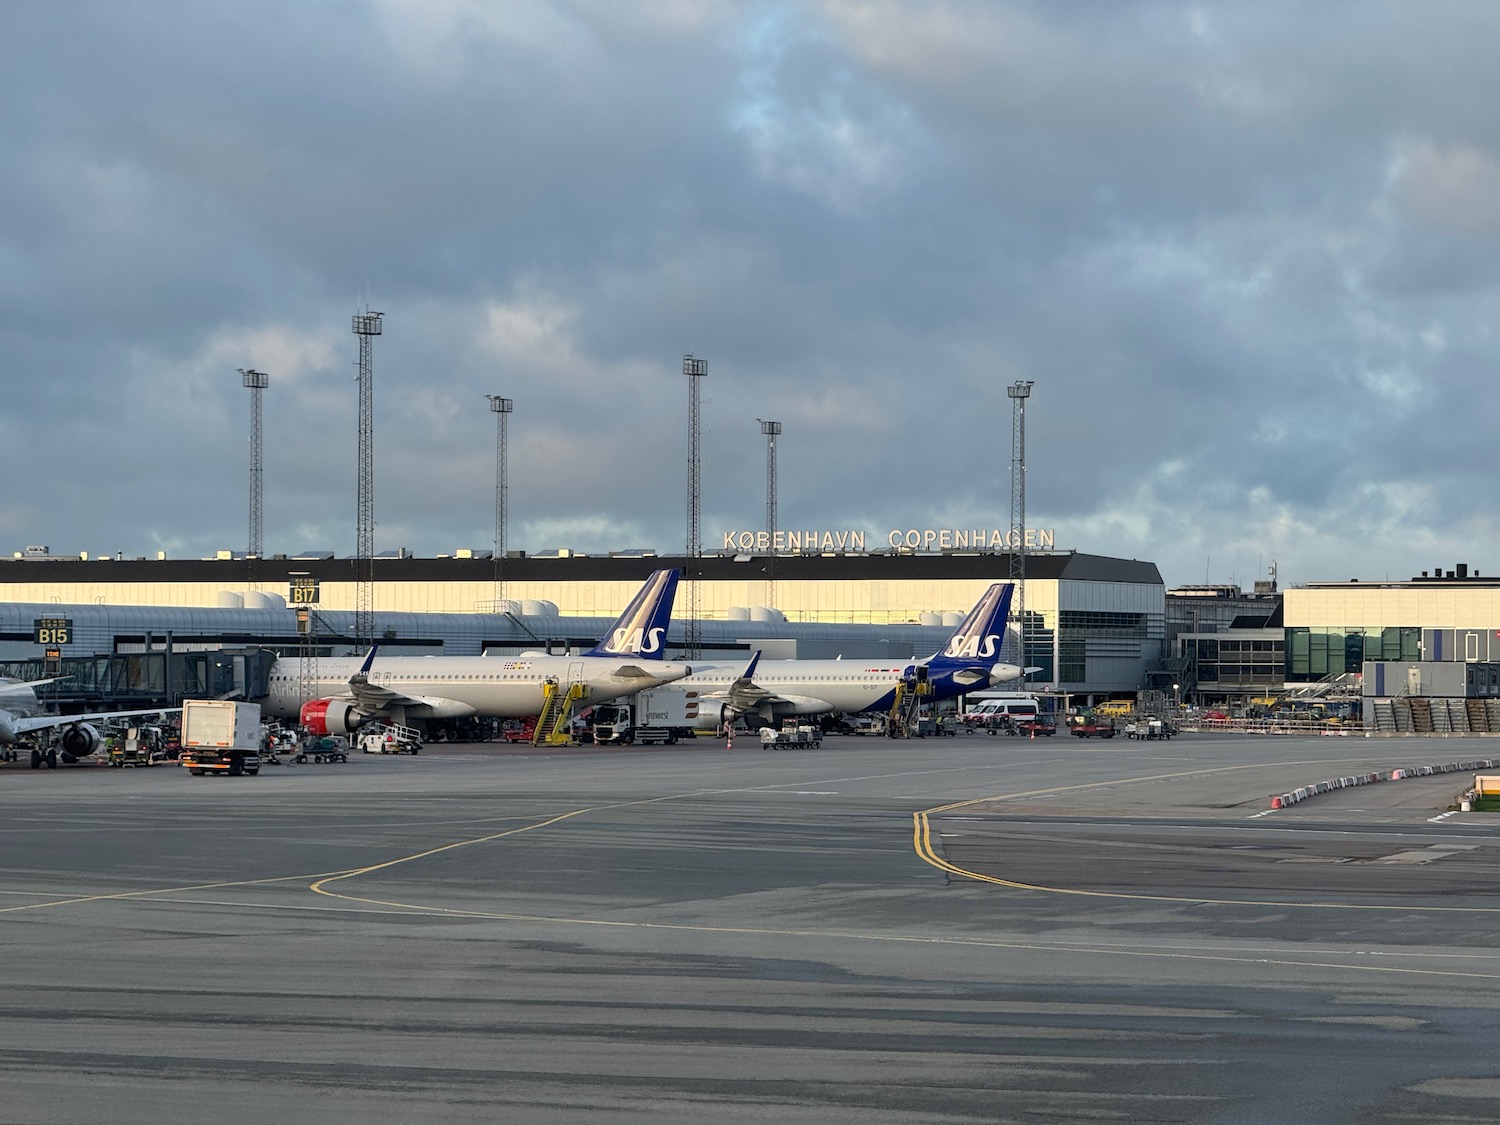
(558, 704)
(909, 696)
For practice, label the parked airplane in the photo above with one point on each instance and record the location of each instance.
(399, 689)
(769, 690)
(22, 714)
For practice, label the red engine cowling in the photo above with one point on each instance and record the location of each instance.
(331, 716)
(80, 740)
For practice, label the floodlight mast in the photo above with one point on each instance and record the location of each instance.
(695, 370)
(1019, 392)
(367, 325)
(772, 430)
(256, 381)
(502, 409)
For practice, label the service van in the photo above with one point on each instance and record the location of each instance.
(1115, 707)
(1003, 711)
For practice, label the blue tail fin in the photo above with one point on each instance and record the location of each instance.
(641, 630)
(980, 638)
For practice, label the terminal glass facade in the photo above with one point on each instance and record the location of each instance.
(1077, 627)
(1038, 647)
(1314, 654)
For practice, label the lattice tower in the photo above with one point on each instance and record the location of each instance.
(367, 326)
(772, 430)
(1019, 392)
(257, 381)
(694, 369)
(502, 408)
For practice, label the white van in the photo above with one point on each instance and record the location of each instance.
(1002, 711)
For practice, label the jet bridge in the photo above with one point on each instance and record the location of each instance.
(148, 679)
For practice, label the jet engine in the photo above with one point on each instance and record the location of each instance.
(80, 740)
(332, 716)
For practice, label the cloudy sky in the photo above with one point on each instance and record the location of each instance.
(1247, 253)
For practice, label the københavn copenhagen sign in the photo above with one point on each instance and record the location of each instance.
(915, 539)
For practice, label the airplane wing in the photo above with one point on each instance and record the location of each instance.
(745, 694)
(42, 722)
(18, 685)
(372, 697)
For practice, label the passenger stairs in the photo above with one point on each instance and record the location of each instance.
(909, 696)
(557, 708)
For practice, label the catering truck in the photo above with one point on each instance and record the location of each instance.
(660, 715)
(220, 736)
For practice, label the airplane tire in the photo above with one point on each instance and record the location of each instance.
(51, 759)
(36, 759)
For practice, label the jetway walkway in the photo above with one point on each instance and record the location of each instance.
(150, 679)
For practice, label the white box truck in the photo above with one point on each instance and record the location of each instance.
(660, 715)
(220, 736)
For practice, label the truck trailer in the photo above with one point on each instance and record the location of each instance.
(220, 736)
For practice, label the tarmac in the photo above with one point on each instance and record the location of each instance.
(876, 931)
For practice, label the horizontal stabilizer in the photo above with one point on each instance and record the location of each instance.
(632, 672)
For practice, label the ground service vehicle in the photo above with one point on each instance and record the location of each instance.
(1035, 727)
(1092, 727)
(1115, 707)
(220, 736)
(647, 717)
(994, 713)
(329, 748)
(141, 746)
(792, 736)
(388, 738)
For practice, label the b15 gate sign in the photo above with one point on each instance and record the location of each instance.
(914, 539)
(52, 631)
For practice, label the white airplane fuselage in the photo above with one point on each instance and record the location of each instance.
(450, 687)
(813, 687)
(820, 687)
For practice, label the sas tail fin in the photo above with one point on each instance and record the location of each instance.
(980, 637)
(641, 630)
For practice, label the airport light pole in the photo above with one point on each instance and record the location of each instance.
(1019, 392)
(695, 370)
(257, 381)
(367, 325)
(502, 409)
(772, 430)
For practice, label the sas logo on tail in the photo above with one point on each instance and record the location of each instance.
(960, 646)
(636, 640)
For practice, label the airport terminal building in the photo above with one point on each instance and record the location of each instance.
(1094, 624)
